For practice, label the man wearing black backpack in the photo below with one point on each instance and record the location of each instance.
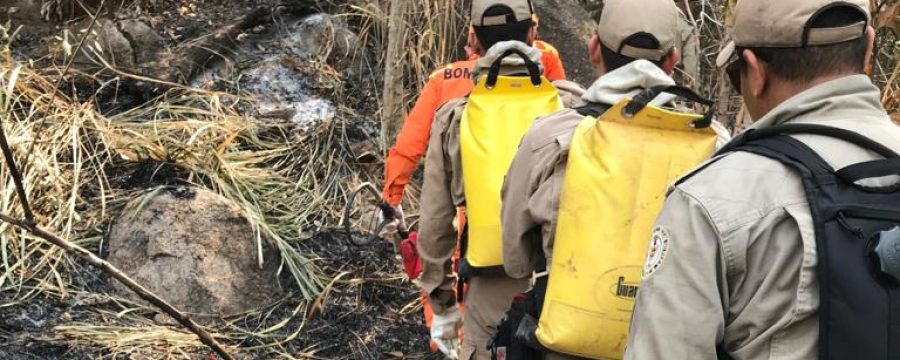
(787, 244)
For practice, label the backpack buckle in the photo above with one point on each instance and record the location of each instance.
(535, 276)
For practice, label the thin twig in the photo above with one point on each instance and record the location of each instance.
(138, 289)
(17, 176)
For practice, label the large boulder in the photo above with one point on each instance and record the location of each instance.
(567, 25)
(195, 249)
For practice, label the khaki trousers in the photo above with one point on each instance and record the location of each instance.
(487, 301)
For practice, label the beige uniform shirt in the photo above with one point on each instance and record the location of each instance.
(443, 192)
(736, 254)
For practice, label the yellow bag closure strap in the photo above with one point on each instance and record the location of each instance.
(534, 70)
(618, 170)
(493, 124)
(642, 100)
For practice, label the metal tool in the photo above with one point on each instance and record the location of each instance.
(387, 211)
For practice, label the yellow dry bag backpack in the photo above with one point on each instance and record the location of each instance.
(499, 112)
(618, 171)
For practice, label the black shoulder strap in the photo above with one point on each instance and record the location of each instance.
(793, 152)
(772, 142)
(811, 129)
(593, 109)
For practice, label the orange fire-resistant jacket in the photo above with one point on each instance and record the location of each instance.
(445, 84)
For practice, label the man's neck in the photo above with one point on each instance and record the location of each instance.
(781, 91)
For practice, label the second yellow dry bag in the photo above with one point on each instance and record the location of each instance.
(619, 168)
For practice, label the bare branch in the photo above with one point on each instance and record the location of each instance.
(17, 176)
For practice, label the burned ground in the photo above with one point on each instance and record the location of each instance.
(371, 312)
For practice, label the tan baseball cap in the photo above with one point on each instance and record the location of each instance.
(623, 19)
(786, 24)
(522, 10)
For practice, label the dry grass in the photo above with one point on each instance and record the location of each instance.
(79, 168)
(63, 157)
(73, 160)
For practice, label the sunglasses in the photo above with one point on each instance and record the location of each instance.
(733, 69)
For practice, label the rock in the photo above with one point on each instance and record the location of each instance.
(21, 12)
(105, 40)
(327, 35)
(125, 44)
(195, 249)
(115, 46)
(145, 42)
(346, 44)
(567, 25)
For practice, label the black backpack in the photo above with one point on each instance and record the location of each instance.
(857, 237)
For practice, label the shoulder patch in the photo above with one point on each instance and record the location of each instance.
(657, 251)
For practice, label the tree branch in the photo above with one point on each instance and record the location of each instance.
(392, 108)
(17, 177)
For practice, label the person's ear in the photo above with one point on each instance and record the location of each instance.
(532, 35)
(595, 51)
(870, 50)
(756, 75)
(671, 60)
(473, 46)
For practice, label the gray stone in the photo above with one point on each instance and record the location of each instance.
(567, 25)
(22, 12)
(116, 47)
(328, 36)
(105, 40)
(145, 42)
(195, 249)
